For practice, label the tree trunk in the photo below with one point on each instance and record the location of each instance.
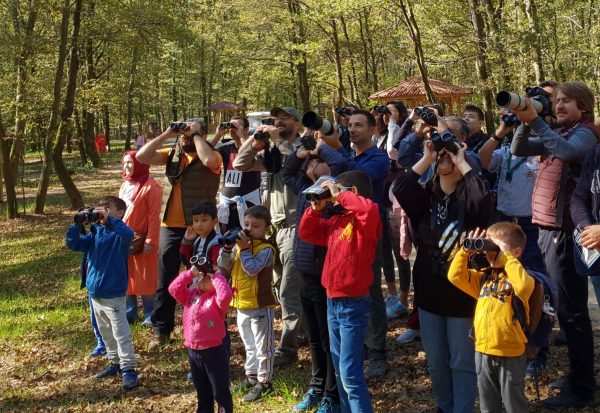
(353, 82)
(481, 65)
(174, 90)
(338, 62)
(415, 35)
(42, 189)
(106, 122)
(80, 139)
(298, 37)
(531, 13)
(59, 142)
(130, 88)
(89, 118)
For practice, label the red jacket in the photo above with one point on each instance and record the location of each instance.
(351, 241)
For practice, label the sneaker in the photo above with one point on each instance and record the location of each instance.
(130, 379)
(312, 398)
(565, 400)
(147, 323)
(408, 336)
(158, 340)
(284, 359)
(259, 390)
(98, 351)
(189, 375)
(247, 384)
(376, 369)
(328, 405)
(394, 308)
(110, 371)
(560, 384)
(536, 367)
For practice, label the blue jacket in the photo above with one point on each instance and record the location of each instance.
(107, 247)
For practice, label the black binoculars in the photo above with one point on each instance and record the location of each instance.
(201, 263)
(86, 215)
(178, 126)
(444, 141)
(231, 236)
(480, 245)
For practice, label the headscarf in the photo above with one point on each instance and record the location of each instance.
(141, 173)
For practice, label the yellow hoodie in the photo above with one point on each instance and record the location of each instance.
(496, 333)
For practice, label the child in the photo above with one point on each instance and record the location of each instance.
(499, 338)
(351, 238)
(204, 309)
(251, 269)
(107, 246)
(201, 238)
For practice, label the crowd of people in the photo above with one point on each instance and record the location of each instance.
(506, 228)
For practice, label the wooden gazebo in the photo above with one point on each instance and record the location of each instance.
(224, 111)
(412, 94)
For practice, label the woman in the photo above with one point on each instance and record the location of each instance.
(455, 201)
(143, 197)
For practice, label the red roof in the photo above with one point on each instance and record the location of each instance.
(224, 106)
(414, 88)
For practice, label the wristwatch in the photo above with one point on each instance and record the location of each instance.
(496, 138)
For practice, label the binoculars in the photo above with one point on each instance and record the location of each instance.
(227, 125)
(480, 245)
(201, 263)
(444, 141)
(178, 126)
(427, 115)
(231, 236)
(87, 215)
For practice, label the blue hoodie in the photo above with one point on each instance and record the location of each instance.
(107, 247)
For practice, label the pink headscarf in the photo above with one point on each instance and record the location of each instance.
(141, 173)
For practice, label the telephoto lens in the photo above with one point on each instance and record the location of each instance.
(313, 121)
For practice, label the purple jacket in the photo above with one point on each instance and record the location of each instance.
(585, 202)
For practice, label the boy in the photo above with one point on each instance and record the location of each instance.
(201, 238)
(107, 245)
(350, 236)
(250, 266)
(499, 338)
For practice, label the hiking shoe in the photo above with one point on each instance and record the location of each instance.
(98, 351)
(247, 384)
(311, 399)
(394, 308)
(565, 400)
(158, 340)
(328, 405)
(536, 367)
(130, 379)
(259, 390)
(408, 336)
(376, 369)
(284, 359)
(560, 384)
(110, 371)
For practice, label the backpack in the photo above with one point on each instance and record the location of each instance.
(542, 314)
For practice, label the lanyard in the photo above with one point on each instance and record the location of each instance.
(509, 170)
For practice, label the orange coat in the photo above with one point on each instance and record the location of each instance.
(144, 217)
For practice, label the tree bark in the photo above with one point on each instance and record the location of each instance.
(106, 123)
(338, 62)
(42, 189)
(481, 64)
(531, 13)
(59, 142)
(130, 88)
(298, 37)
(89, 118)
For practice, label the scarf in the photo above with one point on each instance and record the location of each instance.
(141, 173)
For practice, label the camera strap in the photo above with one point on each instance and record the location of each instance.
(208, 242)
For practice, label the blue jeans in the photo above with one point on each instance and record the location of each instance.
(347, 320)
(451, 361)
(131, 307)
(99, 340)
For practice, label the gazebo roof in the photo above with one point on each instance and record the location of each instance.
(225, 107)
(414, 88)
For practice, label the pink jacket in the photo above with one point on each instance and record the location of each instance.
(203, 313)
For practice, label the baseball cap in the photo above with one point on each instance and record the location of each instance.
(287, 109)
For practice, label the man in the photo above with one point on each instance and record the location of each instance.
(473, 115)
(240, 190)
(376, 164)
(192, 174)
(343, 119)
(562, 150)
(253, 156)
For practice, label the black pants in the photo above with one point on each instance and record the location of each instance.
(314, 308)
(557, 248)
(377, 327)
(169, 262)
(210, 375)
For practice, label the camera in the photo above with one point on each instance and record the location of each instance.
(480, 245)
(343, 111)
(231, 236)
(427, 115)
(313, 121)
(86, 215)
(539, 98)
(270, 120)
(308, 142)
(444, 141)
(510, 119)
(381, 109)
(178, 126)
(227, 125)
(201, 263)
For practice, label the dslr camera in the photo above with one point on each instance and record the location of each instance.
(313, 121)
(539, 98)
(201, 263)
(444, 141)
(227, 125)
(231, 236)
(86, 215)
